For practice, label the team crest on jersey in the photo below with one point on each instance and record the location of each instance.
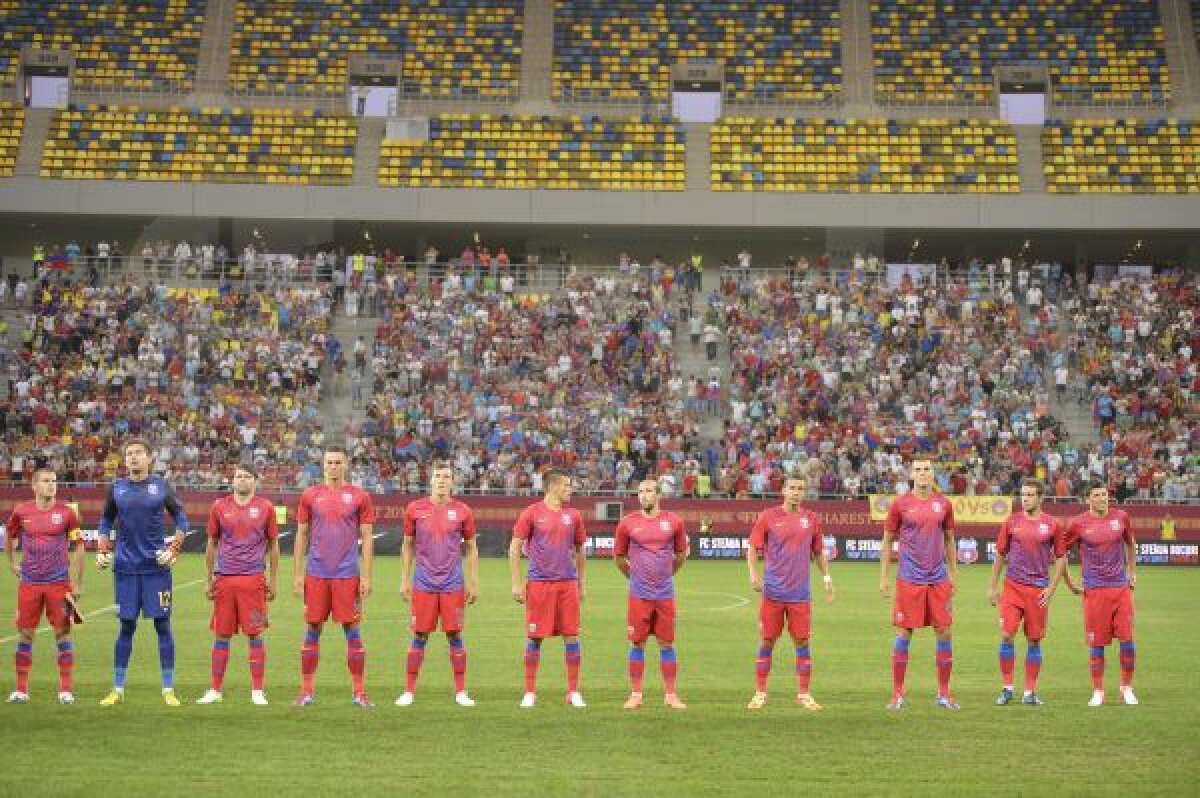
(254, 512)
(56, 518)
(1044, 528)
(152, 489)
(566, 519)
(348, 498)
(937, 507)
(805, 523)
(452, 515)
(665, 526)
(1115, 524)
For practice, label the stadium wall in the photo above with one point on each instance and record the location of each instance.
(602, 208)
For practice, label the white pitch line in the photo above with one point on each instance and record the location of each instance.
(94, 613)
(738, 601)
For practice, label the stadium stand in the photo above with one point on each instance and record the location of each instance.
(212, 145)
(877, 156)
(116, 45)
(454, 48)
(209, 375)
(1134, 346)
(624, 50)
(1122, 156)
(583, 378)
(482, 151)
(12, 122)
(940, 50)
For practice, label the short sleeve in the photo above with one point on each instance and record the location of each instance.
(1003, 535)
(1126, 528)
(410, 521)
(304, 509)
(758, 533)
(621, 541)
(580, 529)
(213, 527)
(891, 524)
(524, 524)
(681, 539)
(948, 521)
(366, 508)
(818, 535)
(14, 525)
(1069, 538)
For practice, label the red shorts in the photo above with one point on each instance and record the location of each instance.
(239, 602)
(771, 615)
(50, 598)
(917, 606)
(651, 617)
(1107, 613)
(1019, 602)
(336, 597)
(552, 608)
(430, 608)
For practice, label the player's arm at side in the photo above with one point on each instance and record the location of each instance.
(366, 537)
(520, 534)
(681, 546)
(75, 554)
(1130, 550)
(999, 562)
(890, 526)
(951, 548)
(822, 561)
(1068, 536)
(755, 548)
(107, 525)
(10, 543)
(174, 508)
(621, 548)
(213, 530)
(580, 553)
(472, 555)
(406, 553)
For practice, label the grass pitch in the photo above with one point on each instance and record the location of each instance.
(716, 747)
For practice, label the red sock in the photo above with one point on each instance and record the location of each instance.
(533, 656)
(458, 665)
(803, 669)
(944, 659)
(637, 668)
(669, 668)
(356, 660)
(573, 656)
(66, 665)
(416, 657)
(762, 668)
(1033, 666)
(24, 662)
(310, 655)
(1128, 658)
(220, 661)
(899, 665)
(257, 654)
(1096, 664)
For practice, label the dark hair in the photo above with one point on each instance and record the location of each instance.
(336, 448)
(1097, 485)
(248, 468)
(555, 475)
(1036, 484)
(136, 442)
(439, 464)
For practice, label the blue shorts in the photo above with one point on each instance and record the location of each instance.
(148, 594)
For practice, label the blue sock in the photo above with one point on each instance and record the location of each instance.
(166, 651)
(455, 642)
(421, 642)
(637, 654)
(945, 647)
(1097, 651)
(1008, 650)
(901, 645)
(312, 636)
(1034, 653)
(802, 651)
(667, 654)
(352, 632)
(121, 651)
(573, 648)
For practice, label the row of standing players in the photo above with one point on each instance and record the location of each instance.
(335, 523)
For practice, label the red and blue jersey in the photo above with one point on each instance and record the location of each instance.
(242, 532)
(550, 539)
(920, 526)
(1101, 544)
(651, 543)
(788, 541)
(334, 516)
(438, 532)
(46, 538)
(134, 509)
(1028, 545)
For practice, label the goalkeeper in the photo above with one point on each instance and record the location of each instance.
(132, 538)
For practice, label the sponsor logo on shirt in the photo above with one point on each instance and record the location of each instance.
(566, 519)
(452, 515)
(1114, 524)
(56, 518)
(348, 498)
(254, 512)
(1044, 528)
(937, 507)
(665, 526)
(805, 523)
